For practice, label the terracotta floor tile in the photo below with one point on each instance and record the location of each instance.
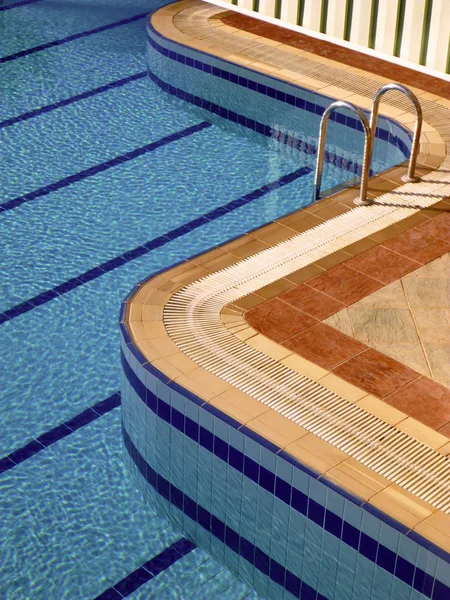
(418, 245)
(344, 284)
(375, 372)
(324, 345)
(424, 400)
(439, 226)
(312, 301)
(277, 320)
(445, 430)
(383, 264)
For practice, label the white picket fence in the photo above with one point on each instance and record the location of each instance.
(417, 31)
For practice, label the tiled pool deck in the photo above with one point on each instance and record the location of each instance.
(301, 320)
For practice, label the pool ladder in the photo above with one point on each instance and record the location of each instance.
(369, 134)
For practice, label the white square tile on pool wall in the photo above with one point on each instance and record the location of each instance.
(300, 480)
(327, 575)
(364, 575)
(284, 470)
(389, 537)
(234, 499)
(371, 525)
(426, 561)
(382, 585)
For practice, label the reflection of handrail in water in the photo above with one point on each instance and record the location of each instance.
(409, 177)
(368, 144)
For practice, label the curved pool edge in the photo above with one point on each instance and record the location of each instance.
(148, 347)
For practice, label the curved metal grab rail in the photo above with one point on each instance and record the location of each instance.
(409, 177)
(368, 145)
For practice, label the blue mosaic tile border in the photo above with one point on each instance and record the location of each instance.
(225, 534)
(334, 524)
(336, 160)
(272, 92)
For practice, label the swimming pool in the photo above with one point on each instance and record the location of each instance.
(103, 182)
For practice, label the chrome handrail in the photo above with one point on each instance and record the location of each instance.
(368, 144)
(409, 177)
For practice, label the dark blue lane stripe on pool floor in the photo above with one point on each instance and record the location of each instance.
(71, 38)
(139, 251)
(148, 570)
(72, 99)
(100, 168)
(17, 4)
(59, 432)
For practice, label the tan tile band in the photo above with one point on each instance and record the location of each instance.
(196, 321)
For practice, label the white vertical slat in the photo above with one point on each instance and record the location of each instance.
(361, 22)
(439, 35)
(311, 14)
(336, 18)
(289, 11)
(386, 26)
(248, 4)
(412, 30)
(267, 7)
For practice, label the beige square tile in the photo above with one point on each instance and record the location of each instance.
(136, 328)
(381, 409)
(438, 356)
(151, 312)
(289, 430)
(425, 292)
(154, 329)
(388, 325)
(439, 537)
(242, 400)
(325, 454)
(182, 362)
(232, 410)
(209, 380)
(342, 388)
(433, 324)
(192, 385)
(401, 505)
(263, 344)
(246, 333)
(149, 350)
(304, 367)
(165, 346)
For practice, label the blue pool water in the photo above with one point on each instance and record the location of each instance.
(93, 167)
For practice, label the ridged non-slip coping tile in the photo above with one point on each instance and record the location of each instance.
(193, 320)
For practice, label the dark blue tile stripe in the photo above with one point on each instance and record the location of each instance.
(288, 494)
(272, 92)
(72, 99)
(162, 240)
(338, 161)
(149, 570)
(17, 4)
(59, 432)
(228, 536)
(100, 168)
(71, 38)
